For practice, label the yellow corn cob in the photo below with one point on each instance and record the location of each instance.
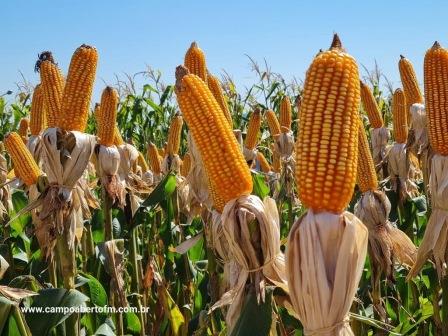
(215, 87)
(142, 162)
(264, 164)
(285, 114)
(106, 117)
(274, 125)
(371, 107)
(327, 145)
(223, 160)
(78, 89)
(11, 174)
(253, 128)
(367, 179)
(409, 81)
(38, 118)
(218, 201)
(118, 140)
(161, 152)
(174, 135)
(276, 162)
(154, 158)
(186, 165)
(436, 95)
(23, 128)
(53, 83)
(195, 61)
(24, 165)
(399, 117)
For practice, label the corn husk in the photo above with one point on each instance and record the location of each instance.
(65, 158)
(148, 177)
(400, 170)
(34, 145)
(284, 144)
(171, 163)
(379, 137)
(4, 265)
(108, 163)
(5, 193)
(252, 255)
(324, 263)
(435, 239)
(197, 177)
(249, 154)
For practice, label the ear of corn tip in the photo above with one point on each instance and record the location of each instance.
(195, 61)
(106, 116)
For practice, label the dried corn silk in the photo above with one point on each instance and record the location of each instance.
(434, 243)
(256, 258)
(325, 259)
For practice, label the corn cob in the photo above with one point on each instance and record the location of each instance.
(273, 124)
(142, 162)
(154, 158)
(23, 128)
(78, 89)
(253, 128)
(186, 165)
(264, 164)
(215, 87)
(224, 163)
(118, 140)
(174, 135)
(409, 81)
(399, 116)
(161, 151)
(371, 107)
(24, 165)
(327, 146)
(367, 179)
(195, 61)
(436, 95)
(38, 119)
(276, 163)
(106, 116)
(53, 83)
(285, 114)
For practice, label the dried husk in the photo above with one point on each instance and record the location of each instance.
(324, 263)
(399, 170)
(35, 148)
(379, 137)
(108, 162)
(248, 233)
(65, 157)
(148, 177)
(4, 265)
(113, 250)
(249, 154)
(435, 239)
(197, 177)
(5, 193)
(171, 163)
(284, 144)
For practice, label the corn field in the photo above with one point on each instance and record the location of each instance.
(200, 208)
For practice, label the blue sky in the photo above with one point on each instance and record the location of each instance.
(132, 34)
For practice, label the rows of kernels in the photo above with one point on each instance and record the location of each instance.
(285, 114)
(38, 118)
(436, 97)
(106, 116)
(174, 135)
(273, 124)
(327, 146)
(78, 89)
(195, 61)
(253, 129)
(409, 81)
(154, 158)
(215, 87)
(371, 107)
(53, 84)
(264, 164)
(399, 117)
(367, 179)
